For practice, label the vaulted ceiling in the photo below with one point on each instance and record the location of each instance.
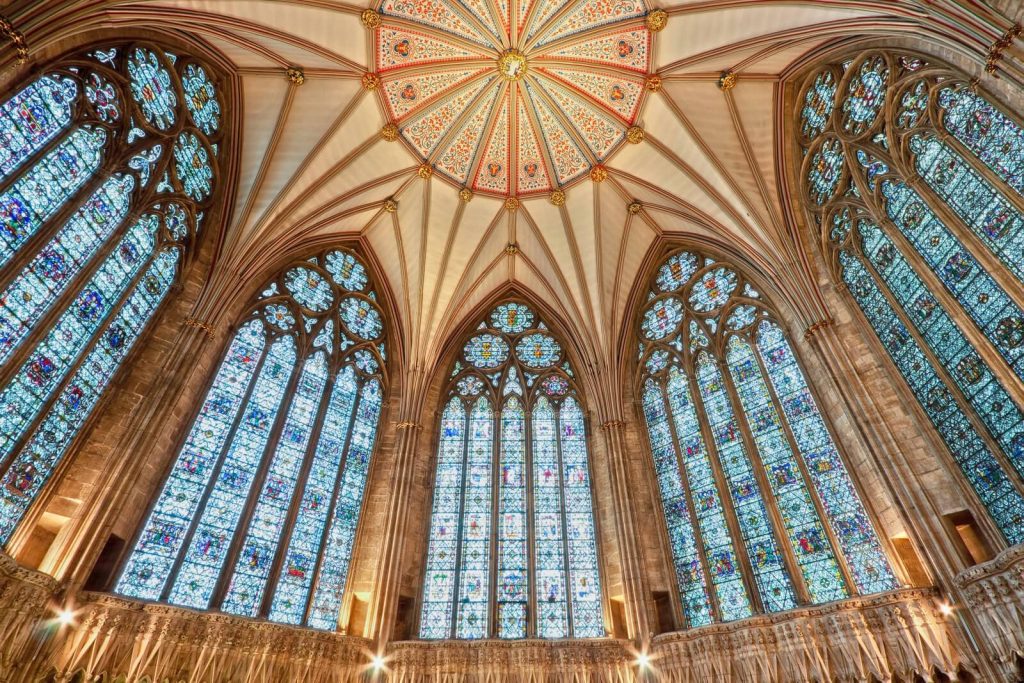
(314, 164)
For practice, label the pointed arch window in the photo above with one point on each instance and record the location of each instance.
(914, 180)
(513, 548)
(108, 165)
(761, 513)
(258, 515)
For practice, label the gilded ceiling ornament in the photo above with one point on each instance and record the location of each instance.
(371, 81)
(513, 99)
(296, 75)
(425, 171)
(635, 135)
(653, 83)
(635, 208)
(818, 326)
(370, 19)
(390, 205)
(995, 52)
(657, 20)
(511, 203)
(207, 328)
(599, 174)
(558, 198)
(465, 194)
(727, 81)
(16, 37)
(512, 249)
(389, 132)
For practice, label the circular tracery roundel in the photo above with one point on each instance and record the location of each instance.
(513, 98)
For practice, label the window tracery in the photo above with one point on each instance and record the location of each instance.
(513, 547)
(915, 184)
(259, 512)
(761, 513)
(108, 164)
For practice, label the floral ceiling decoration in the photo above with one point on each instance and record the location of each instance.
(514, 97)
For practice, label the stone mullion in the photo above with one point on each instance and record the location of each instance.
(269, 450)
(457, 579)
(531, 532)
(296, 501)
(626, 532)
(739, 542)
(73, 369)
(677, 447)
(215, 474)
(819, 507)
(557, 409)
(335, 495)
(767, 494)
(41, 327)
(955, 391)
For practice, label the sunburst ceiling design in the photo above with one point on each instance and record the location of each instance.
(514, 97)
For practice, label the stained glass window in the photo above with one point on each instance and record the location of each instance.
(512, 551)
(87, 255)
(923, 214)
(258, 516)
(760, 511)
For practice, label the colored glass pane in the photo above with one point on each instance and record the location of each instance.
(538, 351)
(149, 566)
(865, 95)
(32, 117)
(192, 166)
(309, 288)
(677, 271)
(513, 588)
(818, 104)
(993, 137)
(361, 318)
(201, 98)
(712, 290)
(549, 535)
(471, 620)
(152, 88)
(486, 351)
(512, 318)
(825, 171)
(346, 270)
(663, 318)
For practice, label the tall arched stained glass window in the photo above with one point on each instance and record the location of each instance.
(513, 549)
(915, 181)
(107, 167)
(258, 514)
(761, 513)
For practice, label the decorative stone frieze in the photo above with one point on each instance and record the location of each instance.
(994, 593)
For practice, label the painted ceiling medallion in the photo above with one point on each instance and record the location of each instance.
(513, 98)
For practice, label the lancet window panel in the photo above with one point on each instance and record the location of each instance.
(760, 510)
(914, 179)
(108, 167)
(259, 512)
(512, 551)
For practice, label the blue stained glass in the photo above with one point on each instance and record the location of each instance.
(486, 351)
(584, 584)
(46, 186)
(472, 619)
(512, 585)
(549, 550)
(439, 582)
(346, 270)
(201, 99)
(969, 371)
(689, 570)
(43, 371)
(361, 318)
(47, 276)
(35, 463)
(149, 566)
(33, 117)
(726, 576)
(197, 577)
(305, 546)
(807, 536)
(512, 318)
(989, 215)
(844, 511)
(663, 318)
(538, 350)
(676, 271)
(193, 166)
(773, 581)
(309, 288)
(712, 290)
(248, 582)
(152, 88)
(825, 170)
(982, 470)
(349, 500)
(103, 98)
(993, 137)
(818, 104)
(865, 95)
